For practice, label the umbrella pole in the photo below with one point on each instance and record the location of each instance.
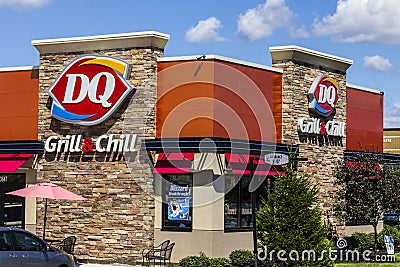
(45, 219)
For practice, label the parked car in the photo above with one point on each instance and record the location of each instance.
(19, 247)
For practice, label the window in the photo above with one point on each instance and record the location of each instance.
(5, 242)
(238, 213)
(27, 242)
(238, 206)
(12, 208)
(177, 205)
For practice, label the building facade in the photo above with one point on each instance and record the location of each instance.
(391, 140)
(19, 144)
(164, 147)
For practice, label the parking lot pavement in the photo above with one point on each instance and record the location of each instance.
(106, 265)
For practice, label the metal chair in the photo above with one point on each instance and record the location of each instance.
(149, 254)
(68, 244)
(164, 256)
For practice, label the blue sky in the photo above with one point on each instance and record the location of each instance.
(366, 31)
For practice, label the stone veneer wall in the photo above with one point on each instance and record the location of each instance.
(322, 158)
(116, 221)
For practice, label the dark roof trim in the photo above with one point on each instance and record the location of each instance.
(391, 129)
(204, 145)
(18, 147)
(385, 157)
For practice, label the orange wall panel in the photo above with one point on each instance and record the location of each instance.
(218, 99)
(198, 127)
(259, 95)
(364, 127)
(184, 104)
(19, 105)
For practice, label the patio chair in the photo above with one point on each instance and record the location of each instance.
(165, 255)
(67, 244)
(149, 254)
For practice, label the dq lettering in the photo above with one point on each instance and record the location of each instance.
(327, 94)
(89, 88)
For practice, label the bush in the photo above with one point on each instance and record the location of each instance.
(391, 231)
(204, 261)
(397, 255)
(352, 242)
(242, 257)
(194, 261)
(363, 241)
(219, 262)
(290, 220)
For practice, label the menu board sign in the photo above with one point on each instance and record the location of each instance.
(179, 202)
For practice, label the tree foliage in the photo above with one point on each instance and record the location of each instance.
(290, 220)
(366, 189)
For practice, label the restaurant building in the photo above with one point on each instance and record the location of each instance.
(19, 144)
(391, 140)
(164, 147)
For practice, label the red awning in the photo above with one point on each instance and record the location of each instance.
(11, 162)
(240, 165)
(174, 163)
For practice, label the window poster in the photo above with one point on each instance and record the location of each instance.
(178, 202)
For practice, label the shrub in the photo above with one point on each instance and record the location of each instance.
(242, 257)
(290, 219)
(397, 255)
(363, 241)
(194, 261)
(352, 242)
(391, 231)
(219, 262)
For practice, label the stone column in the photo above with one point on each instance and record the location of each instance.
(116, 221)
(301, 67)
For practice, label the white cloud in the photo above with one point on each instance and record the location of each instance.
(392, 117)
(299, 32)
(23, 3)
(260, 22)
(205, 31)
(362, 21)
(377, 63)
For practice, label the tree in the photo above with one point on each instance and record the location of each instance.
(290, 220)
(366, 190)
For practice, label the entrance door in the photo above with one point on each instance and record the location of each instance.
(12, 208)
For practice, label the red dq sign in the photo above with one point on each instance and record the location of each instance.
(90, 89)
(323, 96)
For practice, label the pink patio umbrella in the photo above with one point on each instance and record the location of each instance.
(46, 191)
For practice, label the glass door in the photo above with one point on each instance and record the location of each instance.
(12, 208)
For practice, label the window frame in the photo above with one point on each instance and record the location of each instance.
(239, 203)
(239, 206)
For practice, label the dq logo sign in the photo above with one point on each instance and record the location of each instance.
(323, 96)
(90, 89)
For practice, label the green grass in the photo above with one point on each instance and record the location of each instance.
(396, 264)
